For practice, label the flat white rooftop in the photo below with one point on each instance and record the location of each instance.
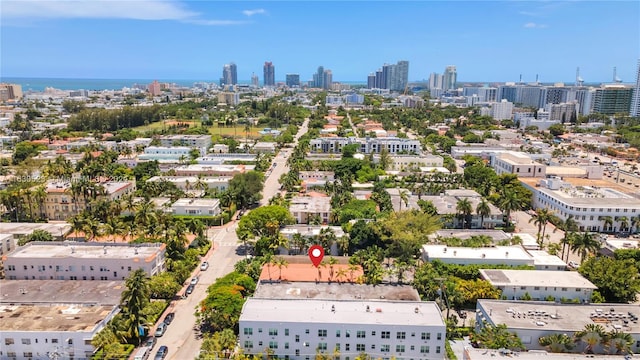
(443, 252)
(489, 354)
(54, 317)
(186, 202)
(541, 258)
(48, 250)
(346, 312)
(561, 279)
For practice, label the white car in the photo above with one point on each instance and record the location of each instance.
(574, 264)
(204, 266)
(194, 280)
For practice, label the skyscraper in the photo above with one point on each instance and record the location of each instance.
(327, 79)
(371, 81)
(450, 77)
(318, 78)
(435, 81)
(635, 101)
(269, 74)
(400, 76)
(394, 77)
(254, 80)
(613, 99)
(229, 74)
(293, 80)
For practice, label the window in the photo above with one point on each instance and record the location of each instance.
(11, 354)
(273, 332)
(384, 348)
(286, 345)
(439, 337)
(347, 333)
(248, 331)
(26, 341)
(347, 347)
(373, 346)
(437, 349)
(260, 343)
(27, 354)
(8, 341)
(322, 346)
(259, 330)
(54, 341)
(360, 347)
(401, 335)
(425, 336)
(286, 332)
(322, 333)
(248, 344)
(385, 334)
(424, 349)
(273, 344)
(297, 338)
(413, 348)
(337, 333)
(373, 333)
(306, 331)
(297, 352)
(361, 334)
(399, 348)
(563, 289)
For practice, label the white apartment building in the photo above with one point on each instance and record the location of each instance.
(211, 170)
(519, 164)
(446, 205)
(531, 320)
(298, 329)
(7, 243)
(393, 145)
(502, 110)
(590, 206)
(196, 206)
(201, 142)
(191, 183)
(82, 261)
(540, 123)
(506, 255)
(324, 175)
(55, 319)
(264, 147)
(515, 284)
(411, 162)
(165, 153)
(305, 208)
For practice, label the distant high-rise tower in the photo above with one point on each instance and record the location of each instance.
(269, 74)
(371, 81)
(327, 79)
(635, 101)
(435, 81)
(293, 80)
(613, 99)
(254, 80)
(400, 76)
(229, 74)
(318, 78)
(450, 77)
(394, 77)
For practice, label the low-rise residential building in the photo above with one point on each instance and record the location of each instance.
(201, 142)
(60, 203)
(411, 162)
(519, 164)
(504, 255)
(194, 183)
(310, 232)
(211, 170)
(299, 329)
(538, 285)
(531, 320)
(82, 261)
(393, 145)
(196, 207)
(447, 202)
(165, 153)
(51, 319)
(305, 208)
(596, 207)
(7, 243)
(264, 147)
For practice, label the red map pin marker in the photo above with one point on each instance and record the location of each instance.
(316, 253)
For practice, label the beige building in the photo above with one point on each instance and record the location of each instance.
(210, 170)
(10, 92)
(305, 208)
(60, 205)
(518, 164)
(82, 261)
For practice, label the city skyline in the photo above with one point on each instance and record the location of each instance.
(486, 41)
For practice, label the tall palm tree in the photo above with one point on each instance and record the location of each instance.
(464, 209)
(134, 299)
(569, 226)
(584, 244)
(404, 198)
(483, 210)
(635, 223)
(280, 263)
(592, 335)
(509, 202)
(624, 223)
(299, 242)
(607, 223)
(541, 218)
(331, 262)
(557, 343)
(621, 342)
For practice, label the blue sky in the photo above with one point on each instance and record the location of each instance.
(487, 41)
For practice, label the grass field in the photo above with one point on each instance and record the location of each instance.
(237, 131)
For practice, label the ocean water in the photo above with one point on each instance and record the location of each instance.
(39, 84)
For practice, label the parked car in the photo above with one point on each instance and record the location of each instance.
(574, 264)
(160, 330)
(204, 266)
(169, 318)
(151, 342)
(194, 280)
(189, 289)
(162, 353)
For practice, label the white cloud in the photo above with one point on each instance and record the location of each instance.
(105, 9)
(532, 25)
(254, 12)
(528, 13)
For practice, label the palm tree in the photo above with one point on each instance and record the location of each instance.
(404, 198)
(584, 244)
(509, 202)
(607, 222)
(134, 299)
(113, 227)
(591, 335)
(541, 218)
(483, 210)
(280, 262)
(332, 261)
(569, 226)
(557, 343)
(464, 209)
(621, 342)
(299, 242)
(635, 223)
(624, 223)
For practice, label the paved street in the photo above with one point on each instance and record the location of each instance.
(182, 337)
